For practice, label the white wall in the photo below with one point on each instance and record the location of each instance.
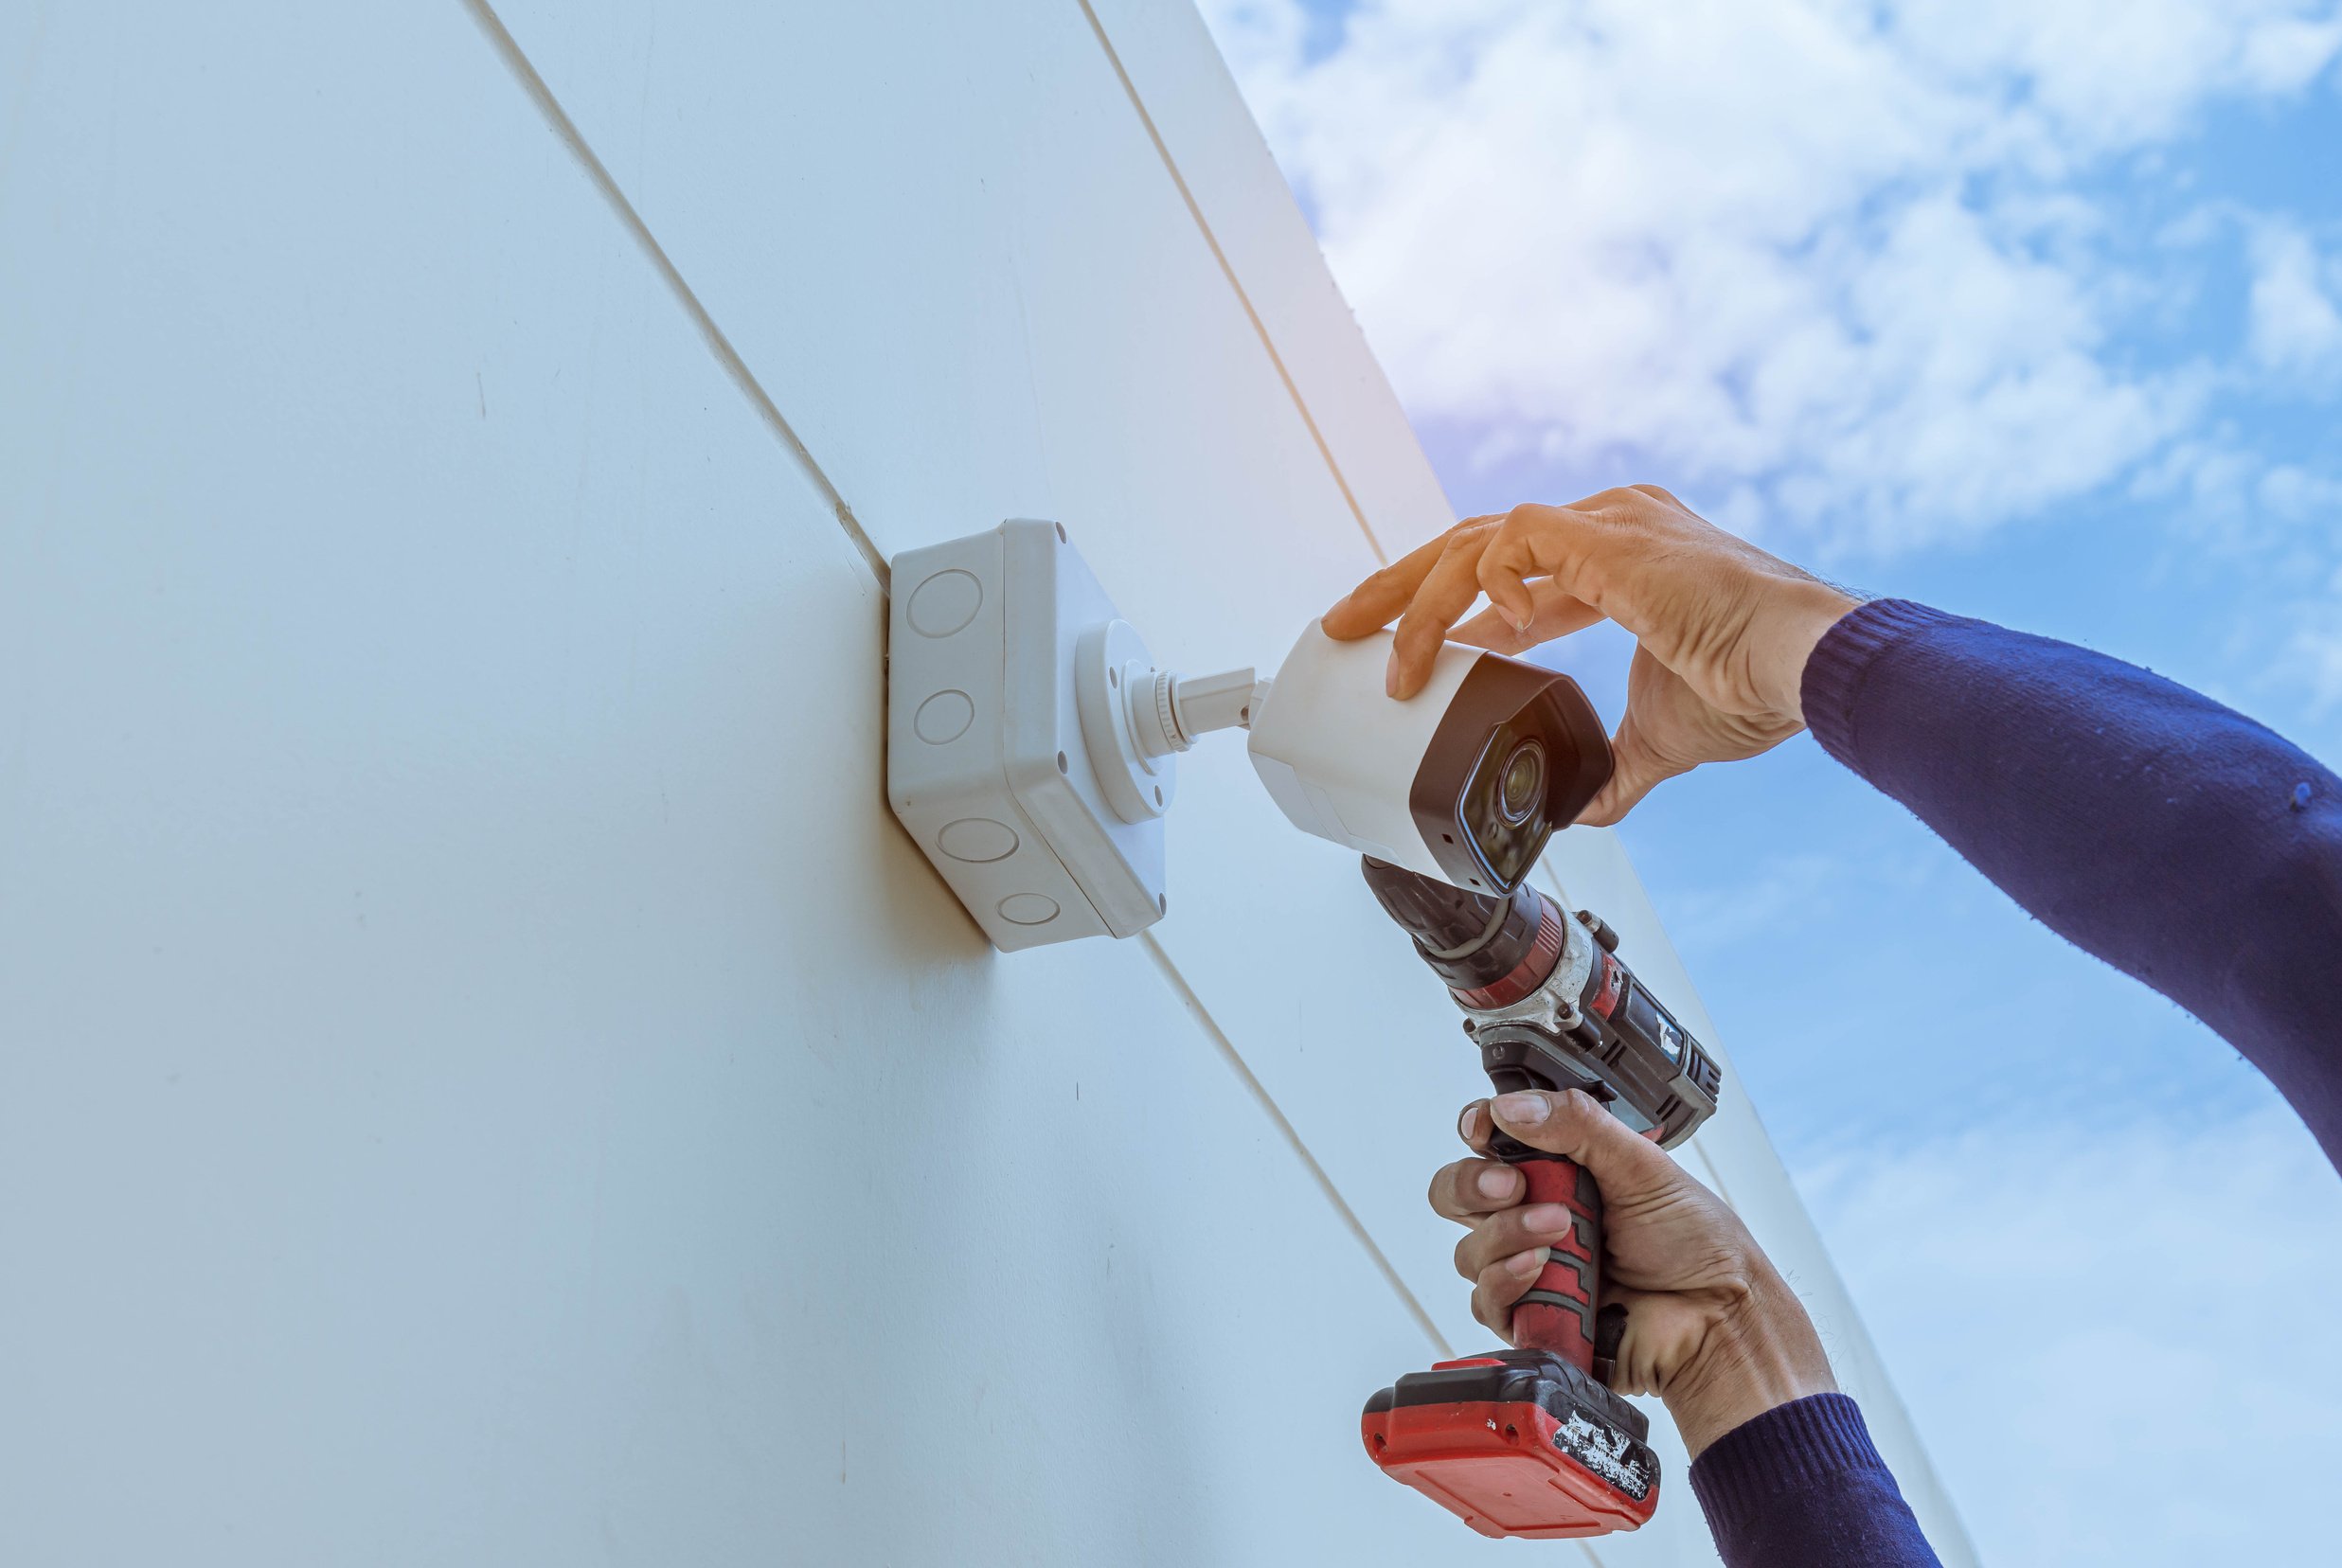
(482, 1077)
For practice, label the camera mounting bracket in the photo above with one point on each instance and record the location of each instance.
(1030, 737)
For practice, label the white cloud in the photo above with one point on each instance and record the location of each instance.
(2294, 494)
(2296, 323)
(2108, 75)
(2230, 503)
(2119, 1340)
(2286, 55)
(1821, 263)
(2234, 501)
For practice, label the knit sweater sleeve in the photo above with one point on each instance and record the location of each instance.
(2175, 838)
(1803, 1486)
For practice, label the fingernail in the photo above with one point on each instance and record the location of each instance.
(1524, 1265)
(1469, 1122)
(1520, 619)
(1521, 1110)
(1548, 1218)
(1390, 677)
(1497, 1183)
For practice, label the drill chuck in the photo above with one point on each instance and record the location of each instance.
(1471, 940)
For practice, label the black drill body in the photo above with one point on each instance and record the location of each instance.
(1549, 1003)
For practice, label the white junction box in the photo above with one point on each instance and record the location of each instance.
(986, 760)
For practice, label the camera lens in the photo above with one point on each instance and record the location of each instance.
(1521, 787)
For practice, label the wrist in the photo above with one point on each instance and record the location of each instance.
(1760, 1352)
(1797, 614)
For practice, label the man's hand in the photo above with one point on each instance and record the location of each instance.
(1710, 1326)
(1723, 629)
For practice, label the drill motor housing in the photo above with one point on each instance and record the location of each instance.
(1549, 1003)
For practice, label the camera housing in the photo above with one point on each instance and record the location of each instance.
(1466, 780)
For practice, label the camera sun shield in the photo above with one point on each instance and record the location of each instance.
(1491, 791)
(1465, 781)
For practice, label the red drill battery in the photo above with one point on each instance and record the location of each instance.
(1516, 1443)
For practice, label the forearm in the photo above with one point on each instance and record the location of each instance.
(2172, 837)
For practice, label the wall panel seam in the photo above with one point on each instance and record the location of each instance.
(1227, 270)
(509, 50)
(1226, 1047)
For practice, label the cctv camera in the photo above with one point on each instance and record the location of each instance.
(1465, 781)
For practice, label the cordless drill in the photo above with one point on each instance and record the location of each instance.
(1531, 1441)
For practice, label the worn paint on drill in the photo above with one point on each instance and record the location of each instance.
(1606, 1453)
(1614, 981)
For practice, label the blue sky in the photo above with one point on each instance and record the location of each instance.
(2031, 310)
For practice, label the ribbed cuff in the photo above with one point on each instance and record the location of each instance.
(1842, 659)
(1792, 1448)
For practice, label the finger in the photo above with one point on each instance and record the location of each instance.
(1538, 542)
(1474, 1126)
(1575, 1127)
(1636, 771)
(1507, 593)
(1645, 1352)
(1500, 1287)
(1470, 1188)
(1448, 589)
(1498, 1236)
(1507, 576)
(1556, 612)
(1490, 630)
(1371, 606)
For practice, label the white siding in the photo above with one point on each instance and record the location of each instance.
(482, 1077)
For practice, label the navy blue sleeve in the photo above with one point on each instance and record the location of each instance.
(1803, 1486)
(2175, 838)
(2172, 837)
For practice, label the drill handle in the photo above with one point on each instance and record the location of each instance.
(1558, 1313)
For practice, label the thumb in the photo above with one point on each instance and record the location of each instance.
(1573, 1125)
(1636, 769)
